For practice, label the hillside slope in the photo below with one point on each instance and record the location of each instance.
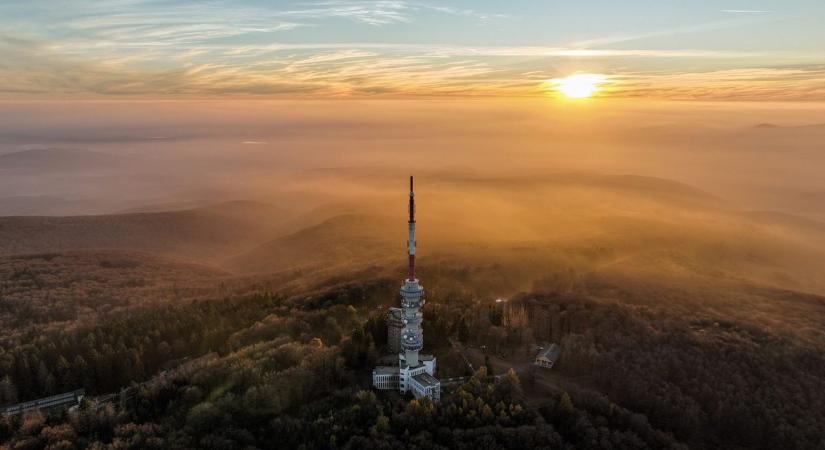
(343, 239)
(59, 159)
(202, 234)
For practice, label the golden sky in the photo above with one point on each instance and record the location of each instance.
(703, 49)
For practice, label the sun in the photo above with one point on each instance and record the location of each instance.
(581, 85)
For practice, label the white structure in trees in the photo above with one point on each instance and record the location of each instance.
(548, 356)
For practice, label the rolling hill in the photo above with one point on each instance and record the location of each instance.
(67, 289)
(343, 239)
(205, 234)
(655, 292)
(59, 159)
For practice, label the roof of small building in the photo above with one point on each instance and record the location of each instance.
(551, 352)
(394, 317)
(385, 370)
(45, 402)
(426, 380)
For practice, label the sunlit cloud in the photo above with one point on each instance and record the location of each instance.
(770, 83)
(336, 56)
(172, 48)
(332, 70)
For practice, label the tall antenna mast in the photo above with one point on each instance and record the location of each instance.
(411, 238)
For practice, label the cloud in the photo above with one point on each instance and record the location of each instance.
(164, 48)
(323, 58)
(334, 70)
(674, 31)
(376, 13)
(382, 12)
(483, 16)
(787, 83)
(437, 50)
(33, 68)
(746, 11)
(144, 23)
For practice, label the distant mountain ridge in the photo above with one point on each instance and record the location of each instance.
(768, 125)
(59, 159)
(207, 233)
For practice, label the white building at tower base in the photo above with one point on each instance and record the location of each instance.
(420, 380)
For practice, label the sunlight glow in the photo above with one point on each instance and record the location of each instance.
(580, 85)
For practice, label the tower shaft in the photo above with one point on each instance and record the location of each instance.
(411, 237)
(412, 337)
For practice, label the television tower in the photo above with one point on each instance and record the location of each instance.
(412, 297)
(413, 372)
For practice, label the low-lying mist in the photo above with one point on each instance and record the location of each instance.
(512, 195)
(109, 156)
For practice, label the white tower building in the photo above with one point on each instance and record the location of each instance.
(414, 372)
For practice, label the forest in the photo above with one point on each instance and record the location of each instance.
(291, 370)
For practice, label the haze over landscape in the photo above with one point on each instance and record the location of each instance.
(203, 213)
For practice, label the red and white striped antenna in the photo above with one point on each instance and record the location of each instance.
(411, 239)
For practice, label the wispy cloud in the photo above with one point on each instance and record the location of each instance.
(483, 16)
(377, 13)
(673, 31)
(172, 48)
(381, 12)
(439, 50)
(162, 23)
(801, 82)
(746, 11)
(347, 69)
(336, 56)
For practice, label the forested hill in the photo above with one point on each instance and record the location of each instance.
(682, 324)
(291, 370)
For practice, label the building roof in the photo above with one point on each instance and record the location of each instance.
(426, 380)
(385, 370)
(54, 401)
(394, 317)
(426, 357)
(551, 352)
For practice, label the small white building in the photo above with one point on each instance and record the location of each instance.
(417, 379)
(426, 385)
(548, 356)
(386, 377)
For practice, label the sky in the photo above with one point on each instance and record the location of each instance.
(755, 50)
